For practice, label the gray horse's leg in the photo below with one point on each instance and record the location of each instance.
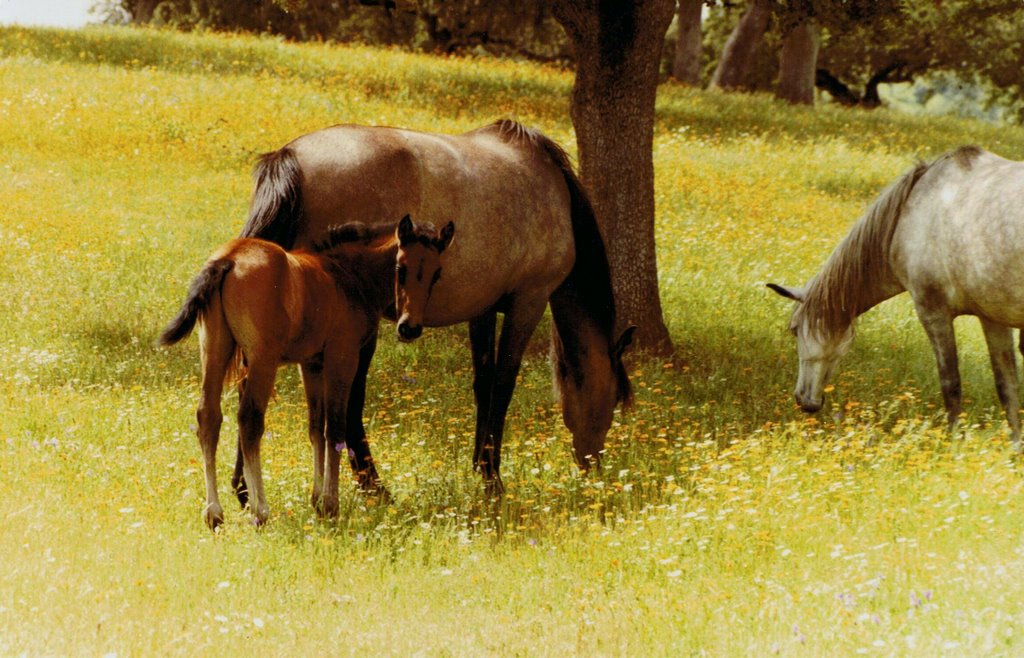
(1004, 367)
(481, 341)
(516, 328)
(938, 324)
(359, 457)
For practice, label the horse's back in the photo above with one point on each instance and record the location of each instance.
(509, 203)
(960, 241)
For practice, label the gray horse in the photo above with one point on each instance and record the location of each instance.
(951, 233)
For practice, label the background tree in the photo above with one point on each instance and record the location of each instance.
(617, 47)
(689, 45)
(737, 59)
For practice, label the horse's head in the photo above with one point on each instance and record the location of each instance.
(417, 269)
(591, 381)
(818, 348)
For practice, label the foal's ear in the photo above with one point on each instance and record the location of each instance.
(444, 236)
(624, 341)
(405, 231)
(796, 294)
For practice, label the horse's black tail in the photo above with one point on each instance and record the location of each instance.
(275, 211)
(203, 287)
(587, 291)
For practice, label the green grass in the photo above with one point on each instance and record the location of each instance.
(723, 522)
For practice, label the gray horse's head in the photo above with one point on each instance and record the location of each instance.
(819, 348)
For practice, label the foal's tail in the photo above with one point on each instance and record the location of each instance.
(204, 286)
(275, 211)
(586, 294)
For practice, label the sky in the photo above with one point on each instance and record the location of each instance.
(55, 13)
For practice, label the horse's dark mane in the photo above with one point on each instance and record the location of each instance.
(350, 233)
(591, 264)
(588, 288)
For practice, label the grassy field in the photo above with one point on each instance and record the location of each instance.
(723, 522)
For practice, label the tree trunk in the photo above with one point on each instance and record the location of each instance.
(738, 53)
(798, 62)
(689, 42)
(618, 49)
(142, 11)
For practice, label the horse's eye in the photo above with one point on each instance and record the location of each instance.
(401, 275)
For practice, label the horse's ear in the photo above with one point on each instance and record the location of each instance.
(405, 230)
(445, 237)
(624, 341)
(796, 294)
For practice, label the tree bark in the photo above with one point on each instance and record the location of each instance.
(689, 42)
(738, 53)
(618, 50)
(798, 62)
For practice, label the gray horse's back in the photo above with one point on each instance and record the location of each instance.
(960, 241)
(507, 199)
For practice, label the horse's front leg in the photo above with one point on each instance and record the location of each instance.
(516, 329)
(938, 324)
(481, 340)
(313, 384)
(1004, 367)
(339, 371)
(252, 408)
(359, 456)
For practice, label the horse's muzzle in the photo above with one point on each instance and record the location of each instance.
(408, 333)
(809, 406)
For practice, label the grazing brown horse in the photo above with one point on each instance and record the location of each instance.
(527, 235)
(261, 306)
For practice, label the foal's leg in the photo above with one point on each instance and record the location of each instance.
(1004, 367)
(481, 340)
(252, 408)
(313, 384)
(340, 367)
(516, 329)
(359, 457)
(216, 350)
(938, 324)
(238, 476)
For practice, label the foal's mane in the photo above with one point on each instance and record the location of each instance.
(351, 233)
(841, 289)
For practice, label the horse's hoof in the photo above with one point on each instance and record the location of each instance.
(494, 487)
(213, 515)
(328, 507)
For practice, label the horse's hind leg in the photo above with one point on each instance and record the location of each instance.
(1004, 367)
(481, 340)
(938, 324)
(313, 384)
(252, 408)
(216, 350)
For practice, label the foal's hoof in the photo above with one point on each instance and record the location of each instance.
(213, 515)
